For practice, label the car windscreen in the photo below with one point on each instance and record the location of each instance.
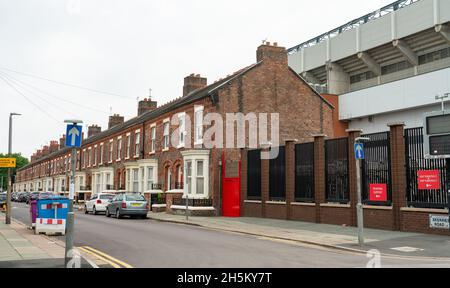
(106, 196)
(135, 197)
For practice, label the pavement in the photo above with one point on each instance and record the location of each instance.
(170, 243)
(389, 243)
(21, 248)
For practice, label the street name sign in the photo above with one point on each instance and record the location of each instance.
(7, 162)
(428, 180)
(439, 222)
(73, 135)
(359, 151)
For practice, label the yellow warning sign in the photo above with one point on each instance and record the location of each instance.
(7, 162)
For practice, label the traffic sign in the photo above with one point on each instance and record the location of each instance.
(359, 151)
(7, 162)
(428, 180)
(73, 138)
(378, 192)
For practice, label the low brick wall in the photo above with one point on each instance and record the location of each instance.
(169, 200)
(418, 220)
(303, 212)
(336, 214)
(252, 210)
(379, 217)
(276, 210)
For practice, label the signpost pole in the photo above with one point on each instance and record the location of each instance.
(73, 140)
(9, 180)
(359, 207)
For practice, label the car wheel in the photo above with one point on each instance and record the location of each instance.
(94, 211)
(107, 213)
(85, 210)
(118, 216)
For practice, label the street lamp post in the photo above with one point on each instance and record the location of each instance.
(9, 180)
(71, 215)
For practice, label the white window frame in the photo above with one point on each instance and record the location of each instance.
(128, 136)
(181, 130)
(137, 144)
(198, 127)
(119, 148)
(111, 151)
(166, 137)
(84, 160)
(101, 154)
(153, 139)
(95, 155)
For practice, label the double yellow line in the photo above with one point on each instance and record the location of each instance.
(116, 263)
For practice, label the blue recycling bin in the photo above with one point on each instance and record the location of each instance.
(53, 208)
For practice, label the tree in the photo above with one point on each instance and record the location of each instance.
(20, 161)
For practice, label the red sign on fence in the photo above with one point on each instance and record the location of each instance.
(428, 180)
(378, 192)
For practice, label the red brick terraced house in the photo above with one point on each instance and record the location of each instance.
(137, 155)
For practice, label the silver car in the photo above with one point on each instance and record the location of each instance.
(127, 205)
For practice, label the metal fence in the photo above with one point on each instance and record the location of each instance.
(277, 176)
(336, 170)
(376, 167)
(304, 172)
(254, 175)
(415, 162)
(193, 202)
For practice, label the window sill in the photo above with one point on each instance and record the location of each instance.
(253, 201)
(165, 149)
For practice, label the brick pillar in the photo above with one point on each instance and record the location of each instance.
(264, 181)
(244, 170)
(290, 175)
(398, 171)
(352, 135)
(319, 172)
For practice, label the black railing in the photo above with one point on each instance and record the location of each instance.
(376, 167)
(415, 161)
(85, 188)
(277, 176)
(304, 172)
(336, 170)
(109, 187)
(179, 185)
(157, 186)
(254, 175)
(158, 199)
(193, 202)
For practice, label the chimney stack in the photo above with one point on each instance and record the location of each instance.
(45, 151)
(94, 130)
(54, 146)
(272, 53)
(62, 141)
(146, 105)
(115, 120)
(193, 82)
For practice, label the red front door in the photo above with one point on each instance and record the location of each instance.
(231, 190)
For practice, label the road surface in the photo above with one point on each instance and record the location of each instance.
(148, 243)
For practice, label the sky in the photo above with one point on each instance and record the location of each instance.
(83, 59)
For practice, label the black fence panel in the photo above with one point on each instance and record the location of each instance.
(277, 176)
(304, 172)
(376, 167)
(254, 175)
(336, 170)
(415, 162)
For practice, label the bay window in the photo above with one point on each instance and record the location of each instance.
(196, 171)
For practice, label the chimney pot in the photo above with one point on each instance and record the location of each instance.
(94, 130)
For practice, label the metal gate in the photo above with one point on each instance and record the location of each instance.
(254, 175)
(376, 167)
(415, 162)
(336, 170)
(304, 172)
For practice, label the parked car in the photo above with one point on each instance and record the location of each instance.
(23, 196)
(97, 203)
(32, 196)
(128, 205)
(2, 199)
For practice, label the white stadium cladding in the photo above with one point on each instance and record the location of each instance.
(386, 66)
